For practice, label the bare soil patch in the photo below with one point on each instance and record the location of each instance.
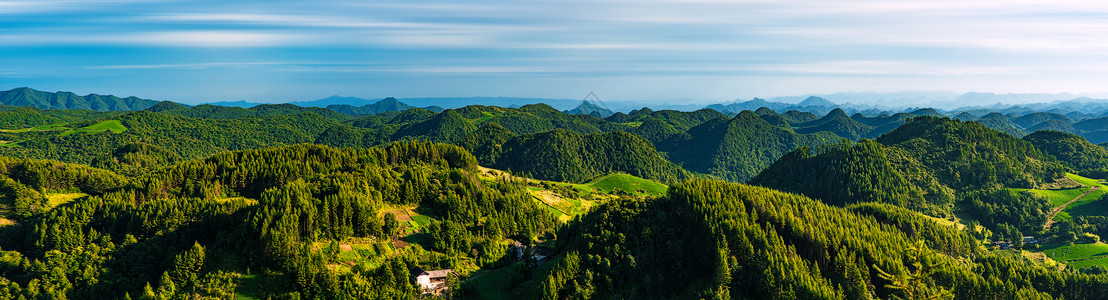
(401, 215)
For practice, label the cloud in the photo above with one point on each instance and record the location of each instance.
(194, 66)
(849, 44)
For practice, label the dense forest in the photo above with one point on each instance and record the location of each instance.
(194, 229)
(289, 202)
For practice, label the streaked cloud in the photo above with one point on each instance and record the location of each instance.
(707, 49)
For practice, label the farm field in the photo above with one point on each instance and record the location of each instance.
(567, 200)
(1077, 255)
(54, 200)
(115, 126)
(1087, 205)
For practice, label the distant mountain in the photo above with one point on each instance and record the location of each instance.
(588, 108)
(1032, 119)
(812, 104)
(1002, 123)
(459, 102)
(816, 101)
(242, 104)
(1053, 125)
(926, 112)
(229, 112)
(754, 104)
(66, 100)
(965, 116)
(335, 100)
(384, 105)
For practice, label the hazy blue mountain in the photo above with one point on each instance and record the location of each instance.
(459, 102)
(816, 101)
(242, 104)
(751, 105)
(926, 112)
(1033, 119)
(1055, 125)
(66, 100)
(384, 105)
(335, 100)
(965, 116)
(588, 108)
(1002, 123)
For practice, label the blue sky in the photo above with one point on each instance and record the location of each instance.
(665, 51)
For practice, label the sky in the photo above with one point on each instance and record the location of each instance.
(663, 51)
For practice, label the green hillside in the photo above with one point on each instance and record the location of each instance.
(562, 155)
(737, 148)
(67, 100)
(730, 240)
(1073, 151)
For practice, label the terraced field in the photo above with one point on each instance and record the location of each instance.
(1075, 202)
(567, 200)
(1078, 255)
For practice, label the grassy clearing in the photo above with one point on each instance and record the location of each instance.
(369, 253)
(1086, 181)
(1088, 205)
(566, 200)
(248, 201)
(248, 287)
(1077, 255)
(115, 126)
(419, 221)
(494, 284)
(54, 200)
(629, 184)
(1056, 197)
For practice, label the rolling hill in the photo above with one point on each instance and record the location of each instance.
(66, 100)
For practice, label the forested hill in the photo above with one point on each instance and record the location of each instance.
(287, 202)
(704, 141)
(563, 155)
(938, 166)
(1073, 151)
(717, 240)
(66, 100)
(736, 148)
(271, 217)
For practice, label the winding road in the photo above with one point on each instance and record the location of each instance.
(1054, 212)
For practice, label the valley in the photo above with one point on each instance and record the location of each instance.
(281, 201)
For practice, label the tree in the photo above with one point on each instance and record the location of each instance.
(391, 225)
(916, 284)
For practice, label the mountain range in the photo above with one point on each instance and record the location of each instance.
(66, 100)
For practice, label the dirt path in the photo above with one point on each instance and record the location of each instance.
(1054, 212)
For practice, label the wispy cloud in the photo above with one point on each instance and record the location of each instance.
(848, 44)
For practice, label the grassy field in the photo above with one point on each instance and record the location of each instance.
(627, 183)
(114, 126)
(567, 200)
(1077, 255)
(1086, 181)
(1089, 205)
(494, 284)
(53, 200)
(1056, 197)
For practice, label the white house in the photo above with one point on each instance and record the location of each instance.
(431, 281)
